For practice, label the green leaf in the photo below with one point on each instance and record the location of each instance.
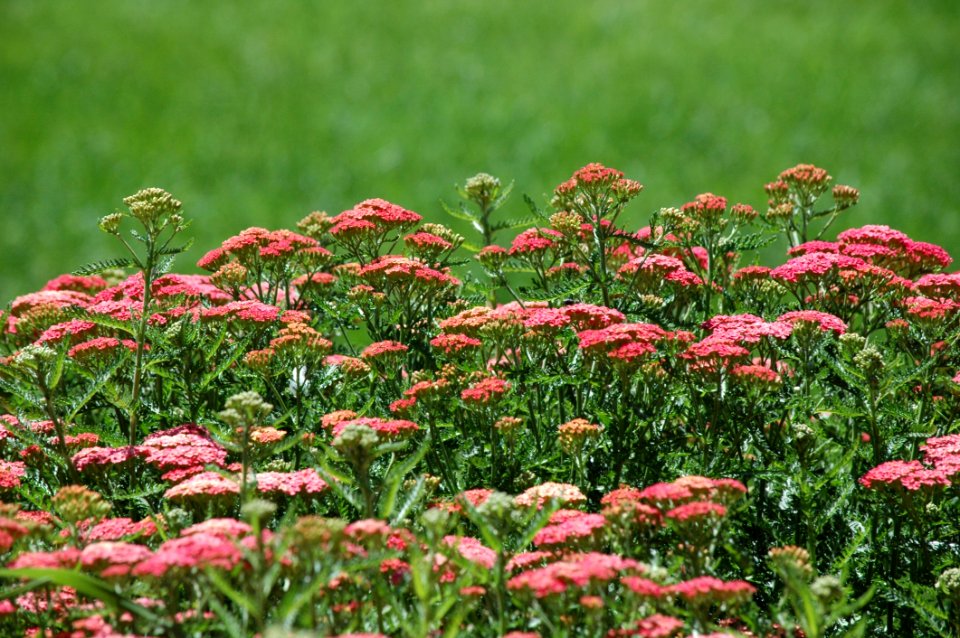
(239, 349)
(924, 601)
(395, 477)
(514, 224)
(841, 562)
(84, 584)
(535, 209)
(294, 600)
(129, 496)
(106, 264)
(102, 379)
(228, 590)
(54, 379)
(490, 536)
(526, 270)
(753, 241)
(504, 194)
(232, 625)
(163, 266)
(175, 250)
(560, 292)
(413, 497)
(474, 248)
(338, 483)
(462, 213)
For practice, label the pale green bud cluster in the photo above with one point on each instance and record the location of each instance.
(151, 205)
(482, 188)
(869, 361)
(949, 582)
(498, 509)
(258, 511)
(245, 409)
(110, 224)
(852, 342)
(356, 443)
(827, 589)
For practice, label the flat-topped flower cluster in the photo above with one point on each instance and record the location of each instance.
(589, 429)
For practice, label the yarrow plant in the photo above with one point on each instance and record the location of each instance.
(552, 424)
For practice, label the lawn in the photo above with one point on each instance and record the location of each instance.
(257, 113)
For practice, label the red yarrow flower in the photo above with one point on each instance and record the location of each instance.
(576, 571)
(823, 320)
(454, 343)
(388, 428)
(707, 589)
(534, 240)
(539, 495)
(100, 346)
(485, 391)
(908, 475)
(306, 481)
(655, 626)
(10, 474)
(696, 510)
(381, 349)
(203, 486)
(573, 529)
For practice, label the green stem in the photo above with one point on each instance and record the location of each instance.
(141, 338)
(60, 430)
(363, 477)
(500, 592)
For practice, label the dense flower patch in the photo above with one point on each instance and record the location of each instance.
(350, 429)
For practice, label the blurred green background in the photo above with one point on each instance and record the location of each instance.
(256, 113)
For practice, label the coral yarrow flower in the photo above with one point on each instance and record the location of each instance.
(710, 589)
(197, 550)
(756, 375)
(455, 343)
(908, 475)
(202, 486)
(382, 349)
(485, 391)
(534, 240)
(539, 495)
(573, 434)
(576, 571)
(306, 481)
(100, 458)
(100, 346)
(823, 320)
(696, 510)
(389, 428)
(572, 529)
(10, 474)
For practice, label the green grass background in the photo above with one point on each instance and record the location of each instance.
(257, 112)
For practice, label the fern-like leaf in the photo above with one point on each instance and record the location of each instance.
(538, 212)
(559, 292)
(175, 250)
(922, 600)
(462, 213)
(753, 241)
(514, 224)
(106, 264)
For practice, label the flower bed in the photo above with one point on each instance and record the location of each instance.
(588, 430)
